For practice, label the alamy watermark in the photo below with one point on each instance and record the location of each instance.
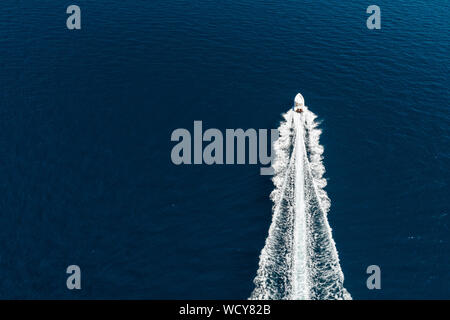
(373, 21)
(73, 22)
(74, 280)
(374, 280)
(241, 147)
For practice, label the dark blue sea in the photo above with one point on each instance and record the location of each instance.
(86, 117)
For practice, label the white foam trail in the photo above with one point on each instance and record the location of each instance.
(300, 285)
(299, 259)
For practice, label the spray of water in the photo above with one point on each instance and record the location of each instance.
(299, 259)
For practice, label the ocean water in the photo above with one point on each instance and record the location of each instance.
(86, 117)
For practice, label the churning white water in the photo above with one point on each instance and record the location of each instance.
(299, 259)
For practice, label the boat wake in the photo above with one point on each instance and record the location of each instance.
(299, 259)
